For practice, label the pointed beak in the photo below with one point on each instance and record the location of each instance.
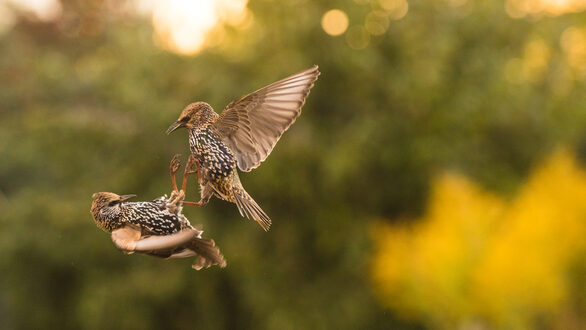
(174, 126)
(126, 197)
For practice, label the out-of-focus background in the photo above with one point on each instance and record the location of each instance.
(435, 179)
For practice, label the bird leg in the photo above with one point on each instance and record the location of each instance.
(176, 198)
(188, 170)
(174, 166)
(206, 193)
(198, 204)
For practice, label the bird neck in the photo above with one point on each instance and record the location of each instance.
(205, 116)
(108, 220)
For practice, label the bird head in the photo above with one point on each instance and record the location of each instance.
(107, 206)
(193, 115)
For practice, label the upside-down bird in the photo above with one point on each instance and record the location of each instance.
(156, 228)
(243, 135)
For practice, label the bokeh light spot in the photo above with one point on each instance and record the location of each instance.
(182, 26)
(43, 10)
(396, 9)
(573, 43)
(376, 23)
(334, 22)
(7, 18)
(532, 66)
(357, 37)
(537, 8)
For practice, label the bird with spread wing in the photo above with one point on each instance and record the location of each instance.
(242, 136)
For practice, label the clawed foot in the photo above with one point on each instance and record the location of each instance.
(175, 201)
(175, 163)
(174, 166)
(177, 196)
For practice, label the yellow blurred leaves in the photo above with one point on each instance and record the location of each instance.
(532, 66)
(476, 259)
(573, 42)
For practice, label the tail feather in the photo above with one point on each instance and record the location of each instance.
(249, 208)
(208, 254)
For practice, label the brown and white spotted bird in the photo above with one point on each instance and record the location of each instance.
(156, 228)
(243, 135)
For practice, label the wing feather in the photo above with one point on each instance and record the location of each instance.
(129, 240)
(252, 125)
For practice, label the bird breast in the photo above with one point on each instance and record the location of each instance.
(213, 154)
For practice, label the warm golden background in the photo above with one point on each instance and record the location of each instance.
(435, 180)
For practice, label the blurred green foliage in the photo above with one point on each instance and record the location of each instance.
(84, 102)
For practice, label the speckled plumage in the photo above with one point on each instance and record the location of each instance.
(153, 218)
(156, 228)
(216, 159)
(242, 136)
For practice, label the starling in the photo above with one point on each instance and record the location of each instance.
(243, 135)
(156, 228)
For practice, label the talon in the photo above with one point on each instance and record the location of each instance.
(175, 200)
(175, 163)
(176, 196)
(174, 166)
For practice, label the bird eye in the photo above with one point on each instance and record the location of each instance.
(184, 119)
(112, 203)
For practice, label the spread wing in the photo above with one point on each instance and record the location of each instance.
(252, 125)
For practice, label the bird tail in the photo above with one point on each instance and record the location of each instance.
(249, 208)
(205, 251)
(208, 254)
